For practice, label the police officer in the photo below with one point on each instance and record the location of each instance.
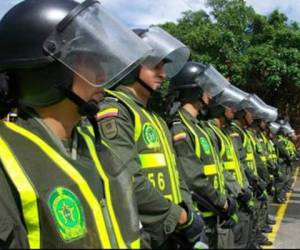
(201, 166)
(256, 110)
(141, 139)
(54, 191)
(280, 178)
(235, 177)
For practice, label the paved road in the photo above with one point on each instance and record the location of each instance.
(287, 233)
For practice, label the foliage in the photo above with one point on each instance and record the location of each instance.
(258, 53)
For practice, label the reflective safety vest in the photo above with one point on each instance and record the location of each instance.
(204, 150)
(257, 146)
(230, 160)
(248, 145)
(156, 155)
(272, 156)
(288, 145)
(59, 206)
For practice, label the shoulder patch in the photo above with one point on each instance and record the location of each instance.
(107, 113)
(180, 136)
(109, 129)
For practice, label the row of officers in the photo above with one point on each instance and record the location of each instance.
(87, 163)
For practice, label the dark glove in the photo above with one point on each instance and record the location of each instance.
(263, 197)
(245, 195)
(191, 231)
(232, 208)
(231, 222)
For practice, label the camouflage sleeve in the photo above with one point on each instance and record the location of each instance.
(191, 168)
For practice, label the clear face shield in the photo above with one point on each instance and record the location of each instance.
(287, 129)
(95, 46)
(212, 82)
(259, 109)
(165, 47)
(274, 127)
(231, 97)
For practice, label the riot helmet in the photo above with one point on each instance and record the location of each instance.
(46, 43)
(287, 129)
(194, 79)
(259, 109)
(274, 127)
(165, 49)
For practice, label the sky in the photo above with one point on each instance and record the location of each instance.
(141, 13)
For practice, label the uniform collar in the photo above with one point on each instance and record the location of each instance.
(131, 95)
(188, 116)
(39, 127)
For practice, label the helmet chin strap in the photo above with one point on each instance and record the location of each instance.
(144, 84)
(85, 108)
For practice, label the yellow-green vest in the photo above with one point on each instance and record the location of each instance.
(156, 155)
(61, 210)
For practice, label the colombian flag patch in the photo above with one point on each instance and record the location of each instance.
(107, 113)
(180, 136)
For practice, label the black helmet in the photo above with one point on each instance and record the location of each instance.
(186, 82)
(46, 43)
(25, 28)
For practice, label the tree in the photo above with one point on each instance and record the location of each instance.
(258, 53)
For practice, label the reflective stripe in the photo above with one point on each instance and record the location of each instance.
(138, 130)
(263, 158)
(168, 197)
(69, 170)
(210, 169)
(169, 157)
(26, 192)
(197, 143)
(136, 244)
(152, 160)
(217, 161)
(93, 152)
(249, 157)
(229, 165)
(227, 145)
(207, 214)
(137, 119)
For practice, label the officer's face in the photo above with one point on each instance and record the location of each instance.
(229, 113)
(86, 91)
(249, 118)
(206, 97)
(153, 77)
(263, 125)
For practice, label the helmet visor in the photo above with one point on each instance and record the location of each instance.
(260, 109)
(231, 97)
(274, 127)
(287, 129)
(95, 46)
(212, 81)
(165, 47)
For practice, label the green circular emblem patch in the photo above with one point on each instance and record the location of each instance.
(68, 213)
(205, 145)
(150, 136)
